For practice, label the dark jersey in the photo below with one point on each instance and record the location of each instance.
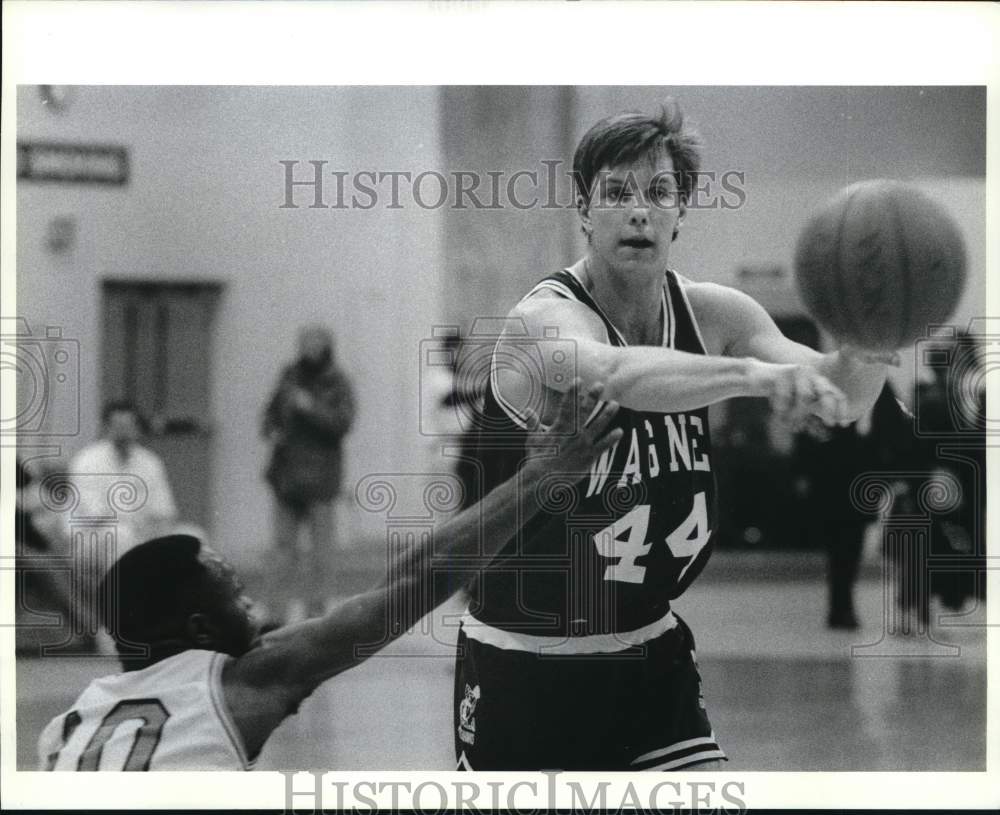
(616, 544)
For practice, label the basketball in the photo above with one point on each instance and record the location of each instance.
(878, 263)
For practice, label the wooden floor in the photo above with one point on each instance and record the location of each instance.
(783, 692)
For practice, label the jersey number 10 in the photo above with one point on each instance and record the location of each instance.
(150, 712)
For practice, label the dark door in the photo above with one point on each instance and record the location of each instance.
(158, 354)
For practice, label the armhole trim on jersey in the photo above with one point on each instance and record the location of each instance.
(552, 285)
(225, 717)
(669, 323)
(687, 304)
(512, 413)
(548, 284)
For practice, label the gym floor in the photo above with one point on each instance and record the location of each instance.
(784, 692)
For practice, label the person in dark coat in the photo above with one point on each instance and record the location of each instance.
(832, 459)
(307, 417)
(953, 445)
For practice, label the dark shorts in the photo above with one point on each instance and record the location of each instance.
(639, 709)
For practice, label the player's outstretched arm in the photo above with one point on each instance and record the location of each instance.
(637, 377)
(749, 357)
(838, 387)
(267, 683)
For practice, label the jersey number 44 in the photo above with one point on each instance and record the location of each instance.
(625, 541)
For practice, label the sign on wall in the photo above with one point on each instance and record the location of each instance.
(72, 163)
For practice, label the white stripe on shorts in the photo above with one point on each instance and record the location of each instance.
(590, 644)
(673, 748)
(694, 758)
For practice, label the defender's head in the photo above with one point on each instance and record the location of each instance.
(635, 158)
(172, 594)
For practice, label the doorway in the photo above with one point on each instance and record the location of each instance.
(157, 353)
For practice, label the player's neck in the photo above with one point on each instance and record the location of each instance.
(630, 299)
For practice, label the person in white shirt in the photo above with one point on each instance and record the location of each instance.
(119, 452)
(205, 686)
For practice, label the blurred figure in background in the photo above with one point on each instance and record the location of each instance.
(831, 459)
(307, 417)
(118, 451)
(453, 416)
(39, 589)
(952, 443)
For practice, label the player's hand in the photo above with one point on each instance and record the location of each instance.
(797, 392)
(574, 440)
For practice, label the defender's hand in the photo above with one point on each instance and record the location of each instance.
(574, 440)
(797, 392)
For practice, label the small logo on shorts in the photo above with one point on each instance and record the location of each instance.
(466, 709)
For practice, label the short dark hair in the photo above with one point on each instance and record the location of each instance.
(121, 406)
(148, 594)
(627, 137)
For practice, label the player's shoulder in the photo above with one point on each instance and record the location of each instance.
(192, 664)
(708, 293)
(544, 309)
(723, 313)
(714, 301)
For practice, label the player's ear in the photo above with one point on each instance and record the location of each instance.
(682, 211)
(583, 210)
(201, 629)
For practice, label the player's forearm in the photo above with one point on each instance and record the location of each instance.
(669, 381)
(860, 381)
(366, 623)
(476, 533)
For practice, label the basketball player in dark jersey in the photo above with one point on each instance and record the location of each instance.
(569, 655)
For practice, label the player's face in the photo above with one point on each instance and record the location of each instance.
(633, 212)
(235, 613)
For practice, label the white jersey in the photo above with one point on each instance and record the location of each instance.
(169, 716)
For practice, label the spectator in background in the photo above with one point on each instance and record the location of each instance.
(953, 444)
(452, 416)
(832, 458)
(118, 451)
(307, 418)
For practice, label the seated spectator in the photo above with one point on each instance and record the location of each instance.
(118, 452)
